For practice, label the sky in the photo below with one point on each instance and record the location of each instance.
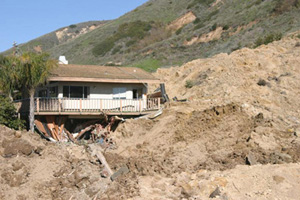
(24, 20)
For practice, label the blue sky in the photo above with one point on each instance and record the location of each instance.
(24, 20)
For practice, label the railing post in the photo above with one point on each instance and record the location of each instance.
(101, 107)
(140, 105)
(38, 105)
(158, 103)
(59, 106)
(121, 105)
(80, 102)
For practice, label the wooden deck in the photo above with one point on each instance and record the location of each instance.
(90, 107)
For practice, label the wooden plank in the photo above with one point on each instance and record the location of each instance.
(96, 152)
(41, 127)
(84, 131)
(70, 136)
(50, 124)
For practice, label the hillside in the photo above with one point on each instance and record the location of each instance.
(168, 32)
(60, 36)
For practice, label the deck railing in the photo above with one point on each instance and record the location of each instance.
(79, 105)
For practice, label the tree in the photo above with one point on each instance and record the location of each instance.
(35, 71)
(10, 70)
(8, 116)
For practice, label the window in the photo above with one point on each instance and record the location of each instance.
(76, 91)
(119, 93)
(137, 93)
(42, 93)
(53, 91)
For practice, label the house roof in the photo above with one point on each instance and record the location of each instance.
(94, 73)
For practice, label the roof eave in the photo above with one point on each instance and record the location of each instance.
(102, 80)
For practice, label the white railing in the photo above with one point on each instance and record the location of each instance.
(95, 105)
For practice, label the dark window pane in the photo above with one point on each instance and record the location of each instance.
(86, 92)
(66, 91)
(43, 93)
(76, 91)
(53, 91)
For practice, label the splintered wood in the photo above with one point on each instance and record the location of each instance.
(54, 129)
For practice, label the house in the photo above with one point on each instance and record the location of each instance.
(89, 90)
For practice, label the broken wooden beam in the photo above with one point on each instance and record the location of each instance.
(70, 136)
(97, 152)
(84, 131)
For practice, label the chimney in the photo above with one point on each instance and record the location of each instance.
(62, 60)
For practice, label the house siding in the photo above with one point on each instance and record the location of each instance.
(102, 90)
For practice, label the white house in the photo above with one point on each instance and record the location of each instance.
(89, 89)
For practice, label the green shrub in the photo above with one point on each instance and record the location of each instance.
(298, 36)
(226, 27)
(283, 6)
(189, 84)
(72, 26)
(214, 27)
(8, 115)
(130, 43)
(197, 20)
(178, 31)
(268, 39)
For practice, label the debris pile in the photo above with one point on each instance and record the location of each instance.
(95, 131)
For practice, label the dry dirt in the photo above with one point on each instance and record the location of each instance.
(237, 137)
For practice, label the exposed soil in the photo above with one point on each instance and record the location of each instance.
(236, 137)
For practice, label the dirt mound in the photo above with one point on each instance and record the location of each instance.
(188, 140)
(32, 168)
(242, 109)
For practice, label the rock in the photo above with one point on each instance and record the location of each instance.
(251, 159)
(215, 193)
(18, 134)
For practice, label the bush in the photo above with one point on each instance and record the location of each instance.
(214, 27)
(298, 36)
(8, 115)
(226, 27)
(189, 84)
(283, 6)
(178, 31)
(197, 20)
(72, 26)
(268, 39)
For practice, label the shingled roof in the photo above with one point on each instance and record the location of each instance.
(94, 73)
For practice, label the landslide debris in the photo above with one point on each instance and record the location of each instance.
(202, 149)
(32, 168)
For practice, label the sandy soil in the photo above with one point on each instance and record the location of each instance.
(237, 137)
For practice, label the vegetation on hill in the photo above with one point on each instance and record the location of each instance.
(144, 34)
